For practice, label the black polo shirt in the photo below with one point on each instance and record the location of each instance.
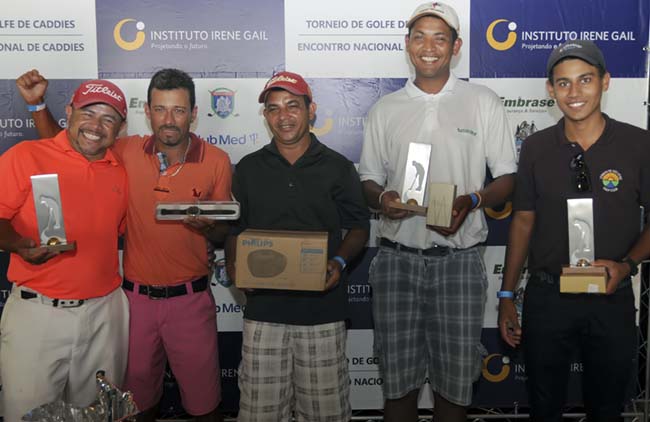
(321, 191)
(619, 170)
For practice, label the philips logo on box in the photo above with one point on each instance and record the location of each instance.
(258, 243)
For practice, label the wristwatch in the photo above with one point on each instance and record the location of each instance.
(634, 267)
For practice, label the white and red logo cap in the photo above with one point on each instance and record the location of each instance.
(99, 91)
(288, 81)
(441, 10)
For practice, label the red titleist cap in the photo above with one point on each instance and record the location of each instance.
(288, 81)
(100, 91)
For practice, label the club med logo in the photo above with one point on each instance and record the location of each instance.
(129, 45)
(223, 102)
(501, 45)
(496, 367)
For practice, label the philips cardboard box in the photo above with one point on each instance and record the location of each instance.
(290, 260)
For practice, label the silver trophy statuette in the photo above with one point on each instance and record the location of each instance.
(416, 173)
(49, 213)
(111, 405)
(580, 276)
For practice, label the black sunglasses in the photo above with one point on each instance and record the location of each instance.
(580, 173)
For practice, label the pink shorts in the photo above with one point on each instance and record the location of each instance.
(183, 330)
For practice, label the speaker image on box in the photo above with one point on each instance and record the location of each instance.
(266, 263)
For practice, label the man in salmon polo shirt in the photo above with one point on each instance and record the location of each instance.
(166, 268)
(66, 316)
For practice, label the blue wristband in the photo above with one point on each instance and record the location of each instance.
(341, 261)
(474, 198)
(36, 107)
(505, 294)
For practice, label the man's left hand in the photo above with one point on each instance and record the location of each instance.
(461, 207)
(333, 274)
(617, 271)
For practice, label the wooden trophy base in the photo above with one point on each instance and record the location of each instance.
(413, 208)
(61, 247)
(440, 206)
(583, 280)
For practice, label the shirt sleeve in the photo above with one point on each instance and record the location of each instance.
(350, 202)
(16, 185)
(239, 194)
(371, 164)
(525, 193)
(222, 179)
(500, 143)
(644, 190)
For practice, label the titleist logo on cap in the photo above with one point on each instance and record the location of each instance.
(281, 78)
(101, 89)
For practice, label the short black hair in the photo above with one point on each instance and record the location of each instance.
(601, 70)
(168, 79)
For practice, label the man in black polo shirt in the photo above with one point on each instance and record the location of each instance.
(293, 351)
(587, 154)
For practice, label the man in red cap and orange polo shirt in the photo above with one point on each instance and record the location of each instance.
(66, 316)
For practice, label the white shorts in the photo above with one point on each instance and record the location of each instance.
(49, 353)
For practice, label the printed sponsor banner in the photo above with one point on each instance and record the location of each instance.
(230, 303)
(16, 123)
(360, 292)
(229, 357)
(207, 39)
(351, 53)
(530, 108)
(494, 259)
(513, 38)
(340, 38)
(503, 376)
(229, 115)
(342, 108)
(43, 35)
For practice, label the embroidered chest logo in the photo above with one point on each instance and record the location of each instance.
(610, 179)
(467, 131)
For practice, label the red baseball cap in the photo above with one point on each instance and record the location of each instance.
(99, 91)
(288, 81)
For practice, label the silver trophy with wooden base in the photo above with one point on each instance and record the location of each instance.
(111, 405)
(421, 197)
(213, 210)
(49, 213)
(580, 276)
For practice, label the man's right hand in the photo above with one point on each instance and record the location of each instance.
(509, 322)
(28, 251)
(392, 213)
(32, 87)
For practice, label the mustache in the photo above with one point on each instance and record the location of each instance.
(170, 127)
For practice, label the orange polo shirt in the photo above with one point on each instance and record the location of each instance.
(93, 200)
(167, 252)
